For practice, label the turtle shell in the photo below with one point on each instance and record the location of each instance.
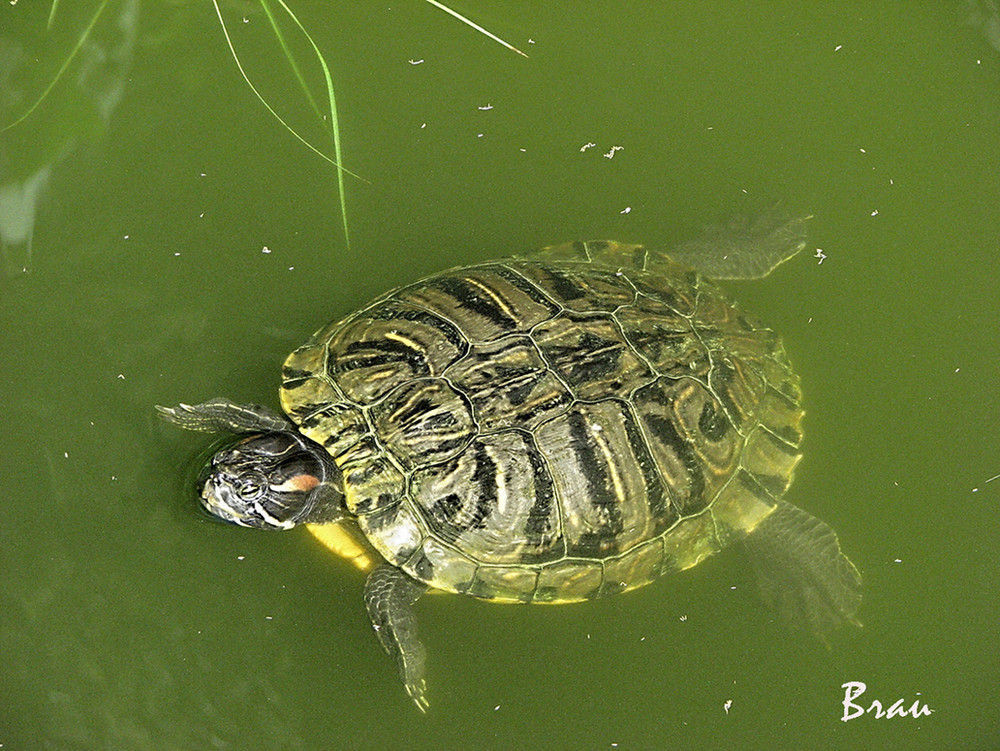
(552, 428)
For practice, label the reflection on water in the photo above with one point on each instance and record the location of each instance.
(76, 111)
(984, 15)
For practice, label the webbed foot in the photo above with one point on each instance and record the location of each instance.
(389, 596)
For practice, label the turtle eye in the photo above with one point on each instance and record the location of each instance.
(250, 486)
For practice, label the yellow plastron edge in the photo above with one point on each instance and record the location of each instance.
(344, 543)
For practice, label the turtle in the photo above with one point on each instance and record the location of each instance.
(553, 427)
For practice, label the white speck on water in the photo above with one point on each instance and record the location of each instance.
(265, 249)
(240, 557)
(626, 210)
(496, 708)
(65, 454)
(838, 48)
(121, 376)
(411, 61)
(820, 255)
(727, 705)
(613, 151)
(588, 145)
(485, 107)
(862, 151)
(683, 618)
(995, 477)
(898, 560)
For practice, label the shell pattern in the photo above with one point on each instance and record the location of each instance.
(551, 428)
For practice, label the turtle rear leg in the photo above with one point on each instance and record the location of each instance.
(744, 247)
(224, 416)
(802, 571)
(389, 596)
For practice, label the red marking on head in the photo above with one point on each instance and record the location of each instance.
(303, 482)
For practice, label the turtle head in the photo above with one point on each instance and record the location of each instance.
(273, 480)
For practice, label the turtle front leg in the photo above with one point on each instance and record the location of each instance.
(389, 596)
(224, 416)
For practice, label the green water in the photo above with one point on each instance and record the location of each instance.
(184, 242)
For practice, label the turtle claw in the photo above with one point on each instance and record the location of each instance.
(184, 416)
(417, 692)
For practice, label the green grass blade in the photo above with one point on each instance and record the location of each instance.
(52, 14)
(62, 68)
(280, 35)
(477, 27)
(334, 122)
(269, 108)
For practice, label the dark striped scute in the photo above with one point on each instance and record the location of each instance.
(581, 288)
(494, 502)
(509, 384)
(552, 429)
(483, 303)
(695, 447)
(667, 341)
(423, 422)
(591, 355)
(388, 345)
(612, 495)
(683, 292)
